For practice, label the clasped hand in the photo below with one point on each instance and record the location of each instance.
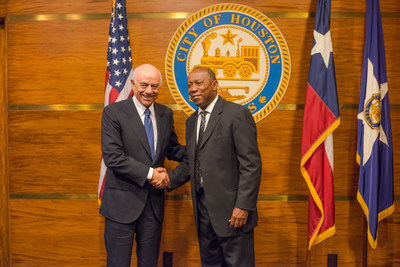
(160, 179)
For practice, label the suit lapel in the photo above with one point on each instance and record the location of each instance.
(191, 133)
(212, 122)
(161, 124)
(136, 124)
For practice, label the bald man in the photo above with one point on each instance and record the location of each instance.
(136, 136)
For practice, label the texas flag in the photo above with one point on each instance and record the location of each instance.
(321, 118)
(374, 142)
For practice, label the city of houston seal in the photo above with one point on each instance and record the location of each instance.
(244, 49)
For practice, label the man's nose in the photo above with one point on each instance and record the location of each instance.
(148, 89)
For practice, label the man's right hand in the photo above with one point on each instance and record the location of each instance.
(160, 179)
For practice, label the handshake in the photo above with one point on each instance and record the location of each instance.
(160, 179)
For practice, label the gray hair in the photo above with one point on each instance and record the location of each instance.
(211, 74)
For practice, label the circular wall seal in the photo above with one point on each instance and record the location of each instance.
(243, 47)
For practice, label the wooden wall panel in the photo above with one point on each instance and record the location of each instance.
(392, 50)
(69, 149)
(57, 62)
(72, 231)
(30, 173)
(63, 64)
(3, 8)
(54, 152)
(279, 137)
(101, 6)
(59, 151)
(4, 178)
(57, 233)
(347, 242)
(179, 233)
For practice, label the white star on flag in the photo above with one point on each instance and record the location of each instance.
(323, 45)
(370, 134)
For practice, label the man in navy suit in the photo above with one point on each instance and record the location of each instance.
(224, 166)
(136, 136)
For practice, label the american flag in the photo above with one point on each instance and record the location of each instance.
(119, 67)
(321, 118)
(374, 147)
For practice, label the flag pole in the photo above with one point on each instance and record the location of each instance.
(308, 256)
(365, 242)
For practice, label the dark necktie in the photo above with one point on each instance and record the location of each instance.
(148, 126)
(197, 170)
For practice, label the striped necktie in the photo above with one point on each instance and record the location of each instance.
(197, 170)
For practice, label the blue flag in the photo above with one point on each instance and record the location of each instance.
(374, 142)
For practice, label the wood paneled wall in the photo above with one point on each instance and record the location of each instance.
(54, 153)
(4, 185)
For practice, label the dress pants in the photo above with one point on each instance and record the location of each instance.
(119, 240)
(235, 251)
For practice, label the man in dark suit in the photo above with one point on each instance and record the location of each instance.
(136, 136)
(224, 166)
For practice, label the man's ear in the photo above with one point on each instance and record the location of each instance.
(215, 86)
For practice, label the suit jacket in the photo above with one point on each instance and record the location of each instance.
(230, 165)
(126, 153)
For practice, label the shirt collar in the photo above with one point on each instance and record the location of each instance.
(140, 108)
(210, 107)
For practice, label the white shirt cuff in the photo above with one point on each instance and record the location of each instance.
(150, 173)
